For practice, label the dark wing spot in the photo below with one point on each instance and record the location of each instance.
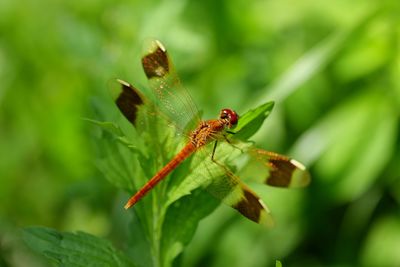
(128, 101)
(280, 171)
(250, 206)
(156, 64)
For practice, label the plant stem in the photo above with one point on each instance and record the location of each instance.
(158, 219)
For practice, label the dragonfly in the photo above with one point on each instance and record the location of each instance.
(176, 105)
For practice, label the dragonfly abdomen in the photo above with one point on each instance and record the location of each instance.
(186, 151)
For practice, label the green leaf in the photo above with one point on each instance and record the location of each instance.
(118, 158)
(115, 131)
(187, 204)
(74, 249)
(251, 121)
(181, 222)
(108, 126)
(278, 263)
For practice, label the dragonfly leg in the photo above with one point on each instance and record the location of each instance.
(213, 154)
(213, 151)
(227, 171)
(229, 142)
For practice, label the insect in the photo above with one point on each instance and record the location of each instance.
(176, 105)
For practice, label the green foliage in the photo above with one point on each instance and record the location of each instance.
(371, 130)
(80, 249)
(250, 122)
(171, 213)
(164, 227)
(384, 234)
(181, 222)
(332, 69)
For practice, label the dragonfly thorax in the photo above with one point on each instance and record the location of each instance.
(208, 131)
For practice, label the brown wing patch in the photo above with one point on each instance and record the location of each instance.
(250, 206)
(234, 193)
(128, 100)
(156, 63)
(282, 171)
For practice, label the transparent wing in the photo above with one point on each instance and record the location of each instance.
(221, 183)
(277, 170)
(273, 169)
(234, 193)
(135, 107)
(173, 100)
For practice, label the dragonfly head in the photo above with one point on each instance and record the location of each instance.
(230, 116)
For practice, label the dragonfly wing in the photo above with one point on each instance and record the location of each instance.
(173, 100)
(221, 183)
(237, 195)
(128, 100)
(280, 171)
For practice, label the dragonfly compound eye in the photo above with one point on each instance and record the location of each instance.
(231, 115)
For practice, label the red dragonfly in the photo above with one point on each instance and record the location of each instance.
(176, 105)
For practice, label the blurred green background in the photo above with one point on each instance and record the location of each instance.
(333, 68)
